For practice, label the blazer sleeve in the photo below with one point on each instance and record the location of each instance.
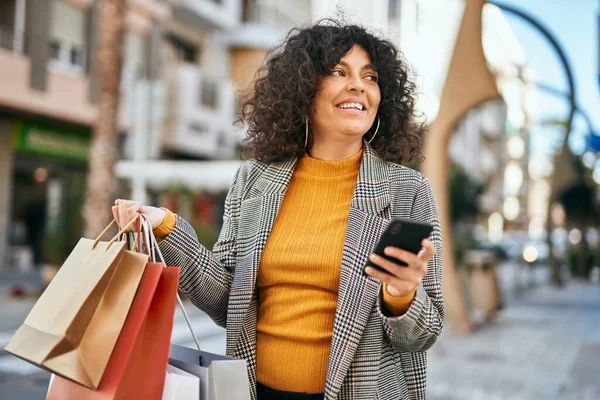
(206, 275)
(420, 326)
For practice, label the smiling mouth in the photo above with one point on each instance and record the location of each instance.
(351, 106)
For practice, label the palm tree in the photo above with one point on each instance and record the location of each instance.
(103, 152)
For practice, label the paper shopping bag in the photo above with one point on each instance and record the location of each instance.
(138, 364)
(180, 385)
(221, 377)
(73, 327)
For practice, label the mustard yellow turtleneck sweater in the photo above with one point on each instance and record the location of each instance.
(299, 275)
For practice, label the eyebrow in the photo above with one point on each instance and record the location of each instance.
(366, 66)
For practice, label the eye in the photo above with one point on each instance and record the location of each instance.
(373, 78)
(337, 72)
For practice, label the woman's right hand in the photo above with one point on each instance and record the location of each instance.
(126, 210)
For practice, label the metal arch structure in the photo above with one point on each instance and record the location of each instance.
(571, 94)
(578, 110)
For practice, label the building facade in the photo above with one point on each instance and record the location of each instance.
(47, 111)
(183, 147)
(186, 66)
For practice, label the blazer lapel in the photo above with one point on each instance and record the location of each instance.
(368, 217)
(259, 209)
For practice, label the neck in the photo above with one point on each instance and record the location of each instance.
(333, 150)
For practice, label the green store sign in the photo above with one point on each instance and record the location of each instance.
(51, 141)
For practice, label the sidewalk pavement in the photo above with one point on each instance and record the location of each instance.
(13, 310)
(545, 344)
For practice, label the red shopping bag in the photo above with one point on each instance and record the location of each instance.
(137, 366)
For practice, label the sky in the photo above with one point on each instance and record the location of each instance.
(574, 24)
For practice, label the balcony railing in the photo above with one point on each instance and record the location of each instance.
(199, 113)
(283, 17)
(209, 93)
(216, 14)
(67, 56)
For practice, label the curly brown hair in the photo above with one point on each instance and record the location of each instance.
(286, 83)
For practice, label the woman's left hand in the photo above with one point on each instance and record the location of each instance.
(402, 280)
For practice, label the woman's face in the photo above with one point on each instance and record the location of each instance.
(345, 106)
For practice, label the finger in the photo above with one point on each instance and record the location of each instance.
(124, 217)
(389, 266)
(427, 251)
(403, 255)
(399, 284)
(115, 213)
(124, 205)
(133, 211)
(383, 276)
(424, 268)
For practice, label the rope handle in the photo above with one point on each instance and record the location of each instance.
(140, 241)
(154, 249)
(117, 235)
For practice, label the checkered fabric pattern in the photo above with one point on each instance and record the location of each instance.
(373, 356)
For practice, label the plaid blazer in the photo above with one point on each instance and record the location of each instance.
(373, 356)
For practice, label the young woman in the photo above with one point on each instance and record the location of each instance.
(330, 127)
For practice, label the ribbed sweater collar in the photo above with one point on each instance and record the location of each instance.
(322, 168)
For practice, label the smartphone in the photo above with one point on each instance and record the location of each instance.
(405, 234)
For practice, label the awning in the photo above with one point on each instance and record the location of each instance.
(213, 176)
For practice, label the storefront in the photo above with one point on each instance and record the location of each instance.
(48, 181)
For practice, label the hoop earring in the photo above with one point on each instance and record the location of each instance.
(306, 134)
(376, 129)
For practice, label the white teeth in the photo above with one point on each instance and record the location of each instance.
(358, 106)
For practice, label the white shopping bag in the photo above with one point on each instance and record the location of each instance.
(221, 377)
(180, 385)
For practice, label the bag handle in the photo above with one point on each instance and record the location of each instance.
(117, 235)
(140, 239)
(154, 249)
(137, 217)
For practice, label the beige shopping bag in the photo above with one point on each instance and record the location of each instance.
(73, 327)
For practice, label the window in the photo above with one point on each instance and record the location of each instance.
(54, 50)
(67, 37)
(209, 94)
(184, 51)
(394, 9)
(7, 13)
(222, 139)
(249, 10)
(67, 56)
(197, 128)
(77, 57)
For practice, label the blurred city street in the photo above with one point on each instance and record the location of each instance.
(545, 344)
(161, 101)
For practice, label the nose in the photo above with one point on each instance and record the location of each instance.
(356, 85)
